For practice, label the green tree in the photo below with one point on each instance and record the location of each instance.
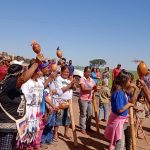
(97, 62)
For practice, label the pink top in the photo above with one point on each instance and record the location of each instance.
(89, 84)
(3, 72)
(98, 74)
(114, 129)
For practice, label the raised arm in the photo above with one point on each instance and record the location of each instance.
(26, 75)
(135, 94)
(145, 89)
(51, 77)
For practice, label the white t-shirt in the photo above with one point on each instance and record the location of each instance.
(42, 79)
(33, 91)
(57, 84)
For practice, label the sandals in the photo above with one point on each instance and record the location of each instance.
(55, 140)
(68, 137)
(52, 144)
(44, 146)
(83, 132)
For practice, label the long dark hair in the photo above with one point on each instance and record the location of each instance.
(86, 68)
(63, 68)
(121, 80)
(140, 96)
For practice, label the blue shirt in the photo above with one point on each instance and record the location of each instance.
(118, 101)
(71, 70)
(94, 77)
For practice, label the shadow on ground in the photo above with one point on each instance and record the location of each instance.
(86, 144)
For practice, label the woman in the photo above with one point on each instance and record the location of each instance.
(11, 99)
(144, 88)
(87, 86)
(33, 91)
(63, 93)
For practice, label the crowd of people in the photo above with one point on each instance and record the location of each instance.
(41, 95)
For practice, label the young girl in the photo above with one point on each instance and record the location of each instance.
(62, 90)
(50, 116)
(120, 104)
(140, 111)
(87, 86)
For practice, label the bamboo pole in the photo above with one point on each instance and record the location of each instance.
(73, 124)
(140, 126)
(132, 129)
(96, 112)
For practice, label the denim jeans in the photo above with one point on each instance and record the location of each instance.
(120, 143)
(103, 109)
(47, 136)
(127, 136)
(85, 114)
(63, 118)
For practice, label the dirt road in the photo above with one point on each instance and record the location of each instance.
(94, 141)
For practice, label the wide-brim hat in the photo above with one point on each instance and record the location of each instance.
(17, 62)
(14, 68)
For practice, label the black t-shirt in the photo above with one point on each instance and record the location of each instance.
(11, 98)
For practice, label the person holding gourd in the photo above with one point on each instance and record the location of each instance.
(144, 79)
(10, 99)
(62, 93)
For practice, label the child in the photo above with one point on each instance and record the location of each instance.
(140, 112)
(50, 117)
(120, 105)
(106, 75)
(104, 99)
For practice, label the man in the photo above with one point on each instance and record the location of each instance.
(71, 69)
(116, 71)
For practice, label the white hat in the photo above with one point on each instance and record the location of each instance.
(17, 62)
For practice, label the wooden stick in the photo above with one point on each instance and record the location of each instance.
(132, 128)
(73, 123)
(140, 126)
(96, 112)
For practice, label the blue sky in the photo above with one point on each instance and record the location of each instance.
(115, 30)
